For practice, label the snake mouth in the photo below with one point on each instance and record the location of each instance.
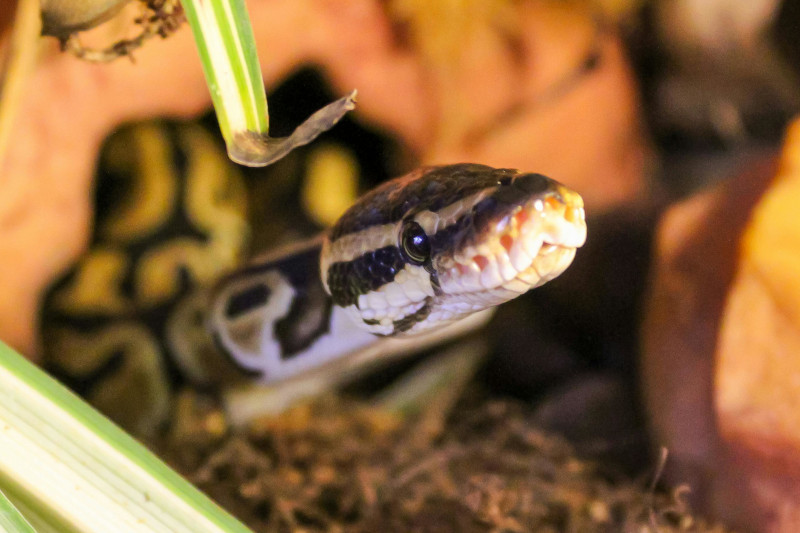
(530, 244)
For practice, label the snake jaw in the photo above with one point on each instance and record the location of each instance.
(523, 249)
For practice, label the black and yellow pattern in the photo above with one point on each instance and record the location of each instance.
(171, 216)
(125, 326)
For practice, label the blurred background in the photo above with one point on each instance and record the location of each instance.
(669, 117)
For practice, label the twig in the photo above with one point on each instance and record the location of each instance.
(20, 61)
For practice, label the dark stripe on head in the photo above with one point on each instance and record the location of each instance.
(347, 280)
(309, 313)
(534, 183)
(408, 321)
(432, 189)
(468, 227)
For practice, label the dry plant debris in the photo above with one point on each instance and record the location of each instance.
(336, 465)
(159, 18)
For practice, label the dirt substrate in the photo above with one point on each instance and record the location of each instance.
(336, 466)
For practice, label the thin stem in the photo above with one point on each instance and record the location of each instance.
(20, 61)
(227, 50)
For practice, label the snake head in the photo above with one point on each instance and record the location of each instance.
(444, 242)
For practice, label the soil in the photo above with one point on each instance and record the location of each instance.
(338, 465)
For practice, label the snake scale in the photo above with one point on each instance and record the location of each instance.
(417, 259)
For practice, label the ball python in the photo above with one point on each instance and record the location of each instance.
(415, 255)
(419, 258)
(170, 215)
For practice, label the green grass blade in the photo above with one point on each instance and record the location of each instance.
(11, 520)
(227, 49)
(69, 468)
(225, 42)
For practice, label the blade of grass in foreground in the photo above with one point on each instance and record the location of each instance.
(11, 521)
(227, 49)
(69, 469)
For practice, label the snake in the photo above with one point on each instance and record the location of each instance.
(418, 259)
(414, 256)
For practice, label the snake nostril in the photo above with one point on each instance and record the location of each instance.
(505, 180)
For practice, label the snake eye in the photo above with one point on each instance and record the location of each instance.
(415, 244)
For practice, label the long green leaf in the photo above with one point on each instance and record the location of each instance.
(11, 520)
(68, 468)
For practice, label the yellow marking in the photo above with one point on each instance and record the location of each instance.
(140, 376)
(154, 185)
(158, 275)
(95, 288)
(215, 203)
(331, 184)
(216, 199)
